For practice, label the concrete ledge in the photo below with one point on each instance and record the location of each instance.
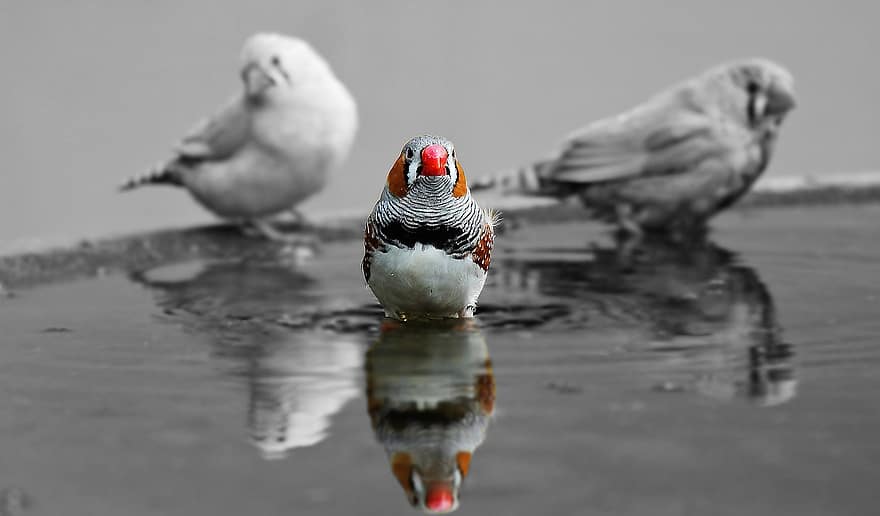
(767, 193)
(842, 188)
(146, 250)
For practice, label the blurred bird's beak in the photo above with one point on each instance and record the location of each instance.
(779, 101)
(431, 495)
(440, 498)
(256, 79)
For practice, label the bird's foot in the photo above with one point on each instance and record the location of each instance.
(263, 228)
(467, 312)
(627, 245)
(627, 225)
(689, 234)
(292, 219)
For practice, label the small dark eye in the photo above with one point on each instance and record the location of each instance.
(276, 61)
(410, 153)
(752, 87)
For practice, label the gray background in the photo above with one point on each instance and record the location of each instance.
(96, 91)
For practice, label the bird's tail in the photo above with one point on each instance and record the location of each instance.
(519, 180)
(526, 180)
(161, 174)
(523, 188)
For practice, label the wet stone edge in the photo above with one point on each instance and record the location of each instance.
(151, 249)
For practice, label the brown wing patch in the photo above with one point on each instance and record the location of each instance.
(485, 389)
(460, 188)
(397, 178)
(371, 244)
(482, 255)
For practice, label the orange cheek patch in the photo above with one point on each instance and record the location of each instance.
(463, 459)
(460, 187)
(397, 178)
(401, 466)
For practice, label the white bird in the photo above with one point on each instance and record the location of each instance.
(296, 386)
(427, 244)
(673, 162)
(271, 146)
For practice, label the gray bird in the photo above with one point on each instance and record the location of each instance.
(673, 162)
(271, 146)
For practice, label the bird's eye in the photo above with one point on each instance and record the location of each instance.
(410, 153)
(276, 61)
(752, 87)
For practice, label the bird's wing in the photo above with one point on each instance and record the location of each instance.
(217, 137)
(371, 244)
(645, 142)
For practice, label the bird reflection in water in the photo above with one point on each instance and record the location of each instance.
(430, 396)
(297, 380)
(296, 386)
(709, 315)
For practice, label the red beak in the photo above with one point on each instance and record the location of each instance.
(434, 160)
(439, 498)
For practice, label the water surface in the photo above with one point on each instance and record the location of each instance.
(731, 376)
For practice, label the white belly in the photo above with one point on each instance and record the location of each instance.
(256, 184)
(425, 282)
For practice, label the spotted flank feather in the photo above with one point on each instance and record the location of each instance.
(482, 255)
